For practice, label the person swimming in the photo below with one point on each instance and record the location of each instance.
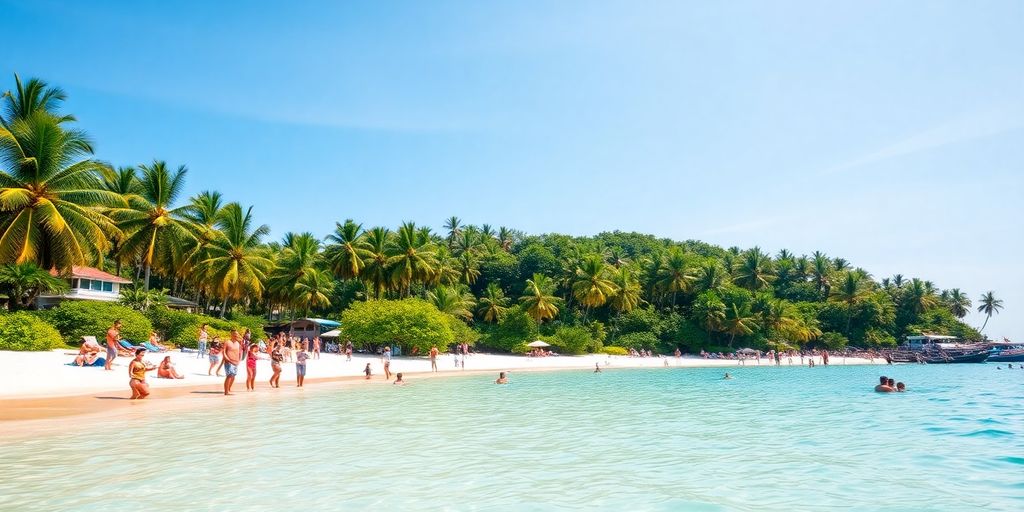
(398, 379)
(502, 379)
(727, 376)
(901, 387)
(883, 385)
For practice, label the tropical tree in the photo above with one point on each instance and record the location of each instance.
(738, 321)
(375, 271)
(453, 301)
(468, 267)
(298, 258)
(51, 196)
(755, 270)
(411, 257)
(920, 297)
(709, 311)
(152, 226)
(850, 291)
(505, 238)
(628, 294)
(592, 286)
(313, 290)
(990, 305)
(821, 269)
(538, 298)
(958, 302)
(235, 264)
(141, 299)
(24, 282)
(674, 273)
(710, 277)
(454, 227)
(346, 250)
(493, 304)
(31, 98)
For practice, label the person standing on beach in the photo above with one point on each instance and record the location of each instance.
(300, 365)
(316, 347)
(824, 357)
(368, 371)
(113, 335)
(232, 353)
(433, 358)
(203, 338)
(275, 364)
(386, 358)
(137, 371)
(250, 368)
(246, 342)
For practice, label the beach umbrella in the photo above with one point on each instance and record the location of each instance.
(537, 344)
(747, 351)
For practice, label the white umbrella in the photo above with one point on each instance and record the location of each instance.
(537, 344)
(331, 334)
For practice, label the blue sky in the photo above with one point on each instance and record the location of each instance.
(888, 133)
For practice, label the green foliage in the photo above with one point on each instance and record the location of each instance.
(942, 321)
(639, 320)
(833, 341)
(614, 351)
(515, 328)
(413, 324)
(182, 329)
(461, 332)
(252, 322)
(75, 319)
(573, 340)
(26, 331)
(638, 340)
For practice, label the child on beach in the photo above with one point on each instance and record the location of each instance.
(300, 365)
(367, 371)
(250, 368)
(214, 356)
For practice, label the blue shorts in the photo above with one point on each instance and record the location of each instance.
(111, 353)
(214, 358)
(300, 370)
(230, 369)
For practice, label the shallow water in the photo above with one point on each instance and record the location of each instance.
(666, 439)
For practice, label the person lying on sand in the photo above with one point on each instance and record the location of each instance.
(883, 385)
(166, 370)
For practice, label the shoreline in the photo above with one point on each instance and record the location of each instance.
(72, 392)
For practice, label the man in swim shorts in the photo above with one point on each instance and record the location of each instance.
(113, 335)
(232, 353)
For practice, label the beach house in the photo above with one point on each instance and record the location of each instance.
(88, 283)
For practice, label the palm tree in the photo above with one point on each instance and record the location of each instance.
(346, 250)
(24, 282)
(486, 233)
(493, 304)
(710, 277)
(592, 286)
(959, 304)
(447, 269)
(453, 301)
(709, 310)
(298, 258)
(738, 321)
(454, 227)
(627, 298)
(538, 298)
(202, 212)
(897, 281)
(313, 290)
(505, 238)
(755, 270)
(375, 270)
(821, 269)
(410, 257)
(919, 296)
(124, 182)
(150, 223)
(31, 98)
(990, 305)
(840, 264)
(51, 196)
(468, 267)
(235, 264)
(674, 273)
(851, 290)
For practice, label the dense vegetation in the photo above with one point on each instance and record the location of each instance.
(60, 206)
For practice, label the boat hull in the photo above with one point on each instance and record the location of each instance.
(1008, 358)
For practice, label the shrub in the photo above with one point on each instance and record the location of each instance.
(638, 340)
(514, 329)
(462, 332)
(252, 322)
(182, 329)
(572, 340)
(26, 331)
(75, 319)
(414, 324)
(833, 341)
(615, 351)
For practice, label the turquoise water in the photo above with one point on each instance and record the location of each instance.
(666, 439)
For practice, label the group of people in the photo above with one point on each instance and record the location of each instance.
(889, 385)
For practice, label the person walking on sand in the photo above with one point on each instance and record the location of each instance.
(316, 347)
(214, 355)
(368, 371)
(433, 358)
(232, 353)
(113, 335)
(203, 338)
(348, 351)
(137, 372)
(300, 365)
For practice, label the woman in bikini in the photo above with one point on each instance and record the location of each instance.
(137, 371)
(250, 368)
(167, 370)
(275, 364)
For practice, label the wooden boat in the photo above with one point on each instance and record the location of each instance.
(935, 349)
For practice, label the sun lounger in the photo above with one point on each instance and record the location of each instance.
(128, 346)
(100, 361)
(150, 347)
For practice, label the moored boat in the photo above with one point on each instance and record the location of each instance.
(936, 349)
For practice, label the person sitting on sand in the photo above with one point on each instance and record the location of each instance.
(901, 387)
(883, 385)
(137, 371)
(368, 371)
(398, 379)
(502, 379)
(154, 340)
(166, 370)
(88, 353)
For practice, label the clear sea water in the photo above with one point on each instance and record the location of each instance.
(666, 439)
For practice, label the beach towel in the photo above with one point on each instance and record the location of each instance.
(127, 345)
(100, 361)
(150, 347)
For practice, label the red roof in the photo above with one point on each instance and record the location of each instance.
(94, 273)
